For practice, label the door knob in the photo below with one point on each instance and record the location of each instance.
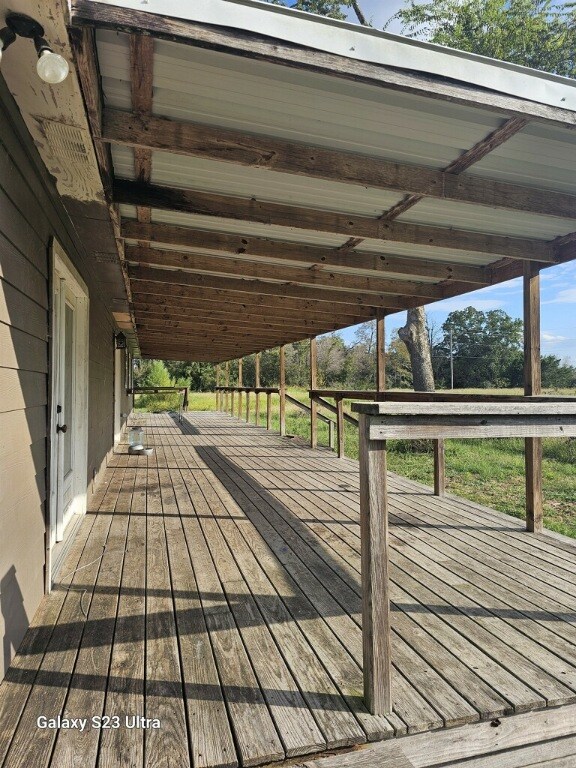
(63, 428)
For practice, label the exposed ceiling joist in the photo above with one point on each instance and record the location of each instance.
(225, 145)
(192, 280)
(178, 296)
(187, 237)
(251, 210)
(239, 268)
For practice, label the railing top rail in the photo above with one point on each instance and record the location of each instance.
(153, 390)
(272, 390)
(440, 397)
(452, 409)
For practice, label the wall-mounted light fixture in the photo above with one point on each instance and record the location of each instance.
(120, 340)
(51, 67)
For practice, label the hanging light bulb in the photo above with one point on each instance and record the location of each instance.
(51, 67)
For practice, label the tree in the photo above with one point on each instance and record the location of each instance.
(398, 365)
(331, 8)
(415, 335)
(557, 374)
(536, 33)
(487, 349)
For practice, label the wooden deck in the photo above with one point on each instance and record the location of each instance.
(215, 587)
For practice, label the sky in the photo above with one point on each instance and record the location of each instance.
(378, 12)
(558, 309)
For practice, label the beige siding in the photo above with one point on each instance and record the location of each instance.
(30, 216)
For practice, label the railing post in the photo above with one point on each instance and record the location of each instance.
(240, 391)
(439, 468)
(340, 426)
(257, 382)
(232, 403)
(227, 394)
(532, 386)
(313, 385)
(331, 435)
(248, 407)
(218, 392)
(268, 410)
(374, 569)
(282, 391)
(380, 354)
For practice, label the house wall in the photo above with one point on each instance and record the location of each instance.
(31, 214)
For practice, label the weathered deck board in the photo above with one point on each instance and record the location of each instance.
(227, 604)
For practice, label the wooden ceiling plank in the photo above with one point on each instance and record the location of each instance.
(246, 245)
(251, 210)
(151, 132)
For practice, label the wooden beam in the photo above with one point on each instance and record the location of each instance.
(376, 628)
(141, 79)
(340, 426)
(193, 320)
(256, 46)
(235, 315)
(238, 268)
(466, 160)
(257, 384)
(282, 387)
(188, 237)
(532, 386)
(166, 296)
(313, 385)
(223, 144)
(380, 355)
(178, 277)
(262, 212)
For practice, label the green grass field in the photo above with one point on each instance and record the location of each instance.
(490, 472)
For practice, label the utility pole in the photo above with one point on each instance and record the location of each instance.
(451, 362)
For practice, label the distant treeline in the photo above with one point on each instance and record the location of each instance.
(486, 349)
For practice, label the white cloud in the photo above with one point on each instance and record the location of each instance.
(567, 296)
(457, 303)
(551, 338)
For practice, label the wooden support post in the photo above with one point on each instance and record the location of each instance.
(232, 403)
(439, 468)
(239, 391)
(313, 385)
(340, 426)
(268, 410)
(380, 355)
(532, 386)
(257, 382)
(247, 407)
(227, 394)
(282, 388)
(331, 435)
(374, 569)
(218, 393)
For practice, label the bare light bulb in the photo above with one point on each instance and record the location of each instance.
(51, 67)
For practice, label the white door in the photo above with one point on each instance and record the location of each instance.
(69, 397)
(118, 389)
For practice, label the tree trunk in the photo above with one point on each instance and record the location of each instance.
(415, 335)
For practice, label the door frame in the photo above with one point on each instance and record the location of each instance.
(62, 268)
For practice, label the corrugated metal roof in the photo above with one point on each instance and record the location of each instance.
(362, 43)
(262, 98)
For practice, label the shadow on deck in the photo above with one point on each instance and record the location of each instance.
(214, 589)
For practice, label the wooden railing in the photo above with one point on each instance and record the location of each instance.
(229, 400)
(380, 421)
